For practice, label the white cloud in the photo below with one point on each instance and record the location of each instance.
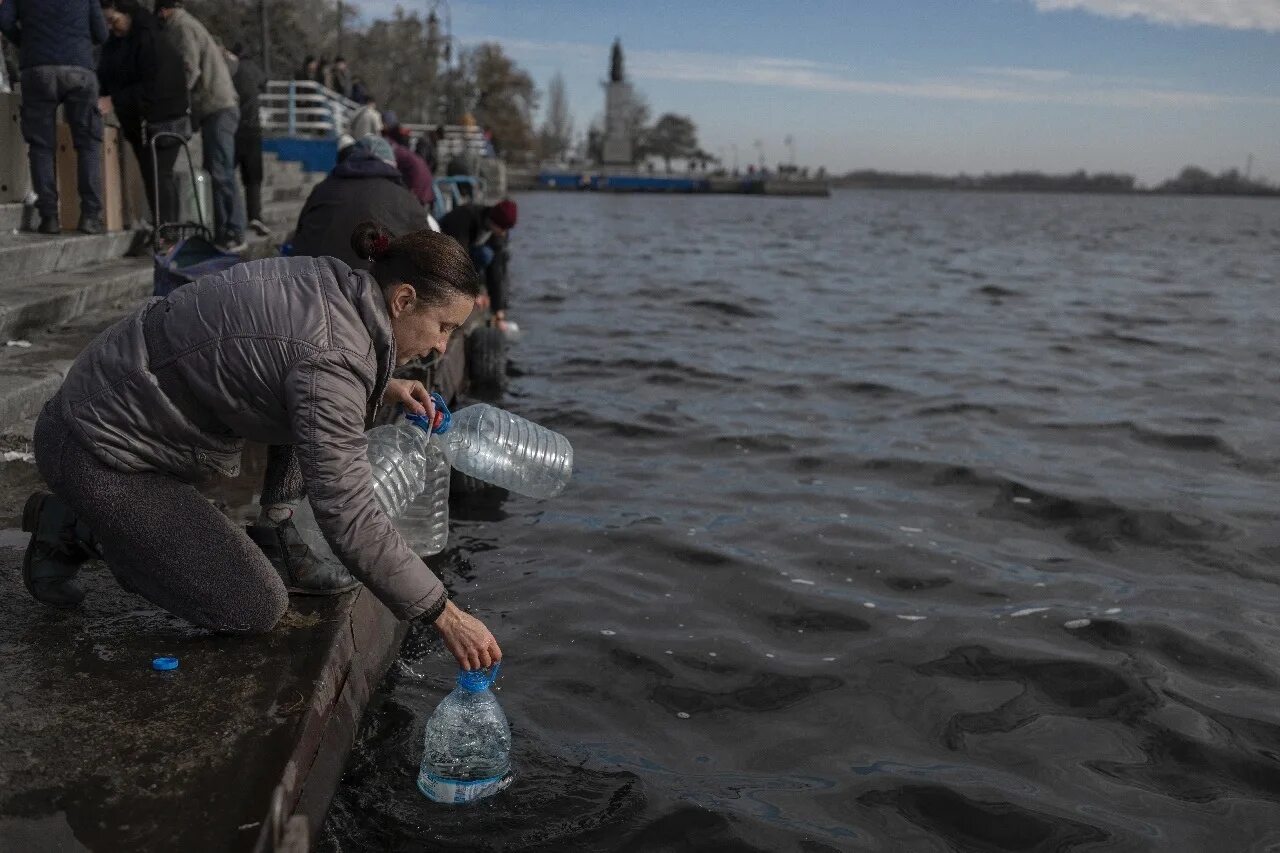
(985, 84)
(1231, 14)
(1030, 75)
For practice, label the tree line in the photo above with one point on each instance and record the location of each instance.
(1191, 180)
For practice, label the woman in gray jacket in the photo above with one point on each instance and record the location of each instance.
(283, 351)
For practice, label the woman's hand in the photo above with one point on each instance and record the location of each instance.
(467, 638)
(413, 395)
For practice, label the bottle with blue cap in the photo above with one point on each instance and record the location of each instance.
(467, 745)
(412, 460)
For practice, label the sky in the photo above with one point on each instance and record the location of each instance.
(1137, 86)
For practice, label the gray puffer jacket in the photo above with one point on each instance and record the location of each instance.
(279, 351)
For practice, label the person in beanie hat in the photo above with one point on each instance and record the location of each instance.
(415, 171)
(482, 231)
(365, 185)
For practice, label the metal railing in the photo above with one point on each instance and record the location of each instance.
(305, 108)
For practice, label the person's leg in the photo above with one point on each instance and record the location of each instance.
(78, 90)
(219, 135)
(282, 483)
(203, 568)
(132, 133)
(166, 161)
(39, 129)
(283, 489)
(249, 159)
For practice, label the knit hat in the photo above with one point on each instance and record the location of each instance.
(168, 4)
(390, 119)
(378, 147)
(503, 214)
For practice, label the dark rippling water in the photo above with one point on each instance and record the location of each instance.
(901, 521)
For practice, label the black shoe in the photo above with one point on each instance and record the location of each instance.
(301, 570)
(49, 225)
(54, 555)
(91, 225)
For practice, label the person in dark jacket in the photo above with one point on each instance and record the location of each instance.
(140, 79)
(308, 69)
(281, 350)
(250, 82)
(341, 77)
(482, 231)
(414, 170)
(55, 39)
(365, 185)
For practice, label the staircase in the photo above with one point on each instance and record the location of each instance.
(58, 292)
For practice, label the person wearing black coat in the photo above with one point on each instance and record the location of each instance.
(141, 74)
(250, 82)
(365, 186)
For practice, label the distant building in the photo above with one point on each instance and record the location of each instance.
(617, 149)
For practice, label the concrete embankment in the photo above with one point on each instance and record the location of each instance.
(240, 748)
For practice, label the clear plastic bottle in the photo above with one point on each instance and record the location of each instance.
(410, 484)
(467, 745)
(506, 450)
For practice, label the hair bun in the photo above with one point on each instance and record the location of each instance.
(370, 240)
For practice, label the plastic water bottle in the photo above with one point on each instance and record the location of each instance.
(410, 484)
(467, 746)
(506, 450)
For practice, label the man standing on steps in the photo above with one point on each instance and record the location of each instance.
(56, 39)
(215, 109)
(250, 82)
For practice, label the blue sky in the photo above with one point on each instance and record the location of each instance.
(1140, 86)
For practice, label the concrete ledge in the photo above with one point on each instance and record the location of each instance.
(98, 752)
(36, 254)
(33, 304)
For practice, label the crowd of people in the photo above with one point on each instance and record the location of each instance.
(297, 355)
(164, 78)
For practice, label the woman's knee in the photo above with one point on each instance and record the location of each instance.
(256, 615)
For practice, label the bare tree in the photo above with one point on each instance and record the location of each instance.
(556, 135)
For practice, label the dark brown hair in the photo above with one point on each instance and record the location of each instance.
(434, 265)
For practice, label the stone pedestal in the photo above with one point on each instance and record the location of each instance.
(617, 124)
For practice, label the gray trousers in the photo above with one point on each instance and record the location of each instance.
(161, 538)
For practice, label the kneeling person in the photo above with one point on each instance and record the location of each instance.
(284, 351)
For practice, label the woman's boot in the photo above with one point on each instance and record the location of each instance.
(59, 545)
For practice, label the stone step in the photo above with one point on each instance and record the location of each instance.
(26, 255)
(60, 313)
(29, 306)
(10, 216)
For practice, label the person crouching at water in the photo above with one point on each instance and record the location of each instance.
(483, 232)
(283, 351)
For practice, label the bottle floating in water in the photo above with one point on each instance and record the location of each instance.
(467, 743)
(506, 450)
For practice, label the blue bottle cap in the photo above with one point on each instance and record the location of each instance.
(475, 680)
(164, 664)
(444, 418)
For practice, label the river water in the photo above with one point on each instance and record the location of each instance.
(900, 521)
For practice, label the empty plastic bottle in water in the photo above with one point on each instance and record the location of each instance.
(467, 743)
(506, 450)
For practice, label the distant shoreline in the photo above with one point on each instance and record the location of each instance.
(1191, 181)
(838, 184)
